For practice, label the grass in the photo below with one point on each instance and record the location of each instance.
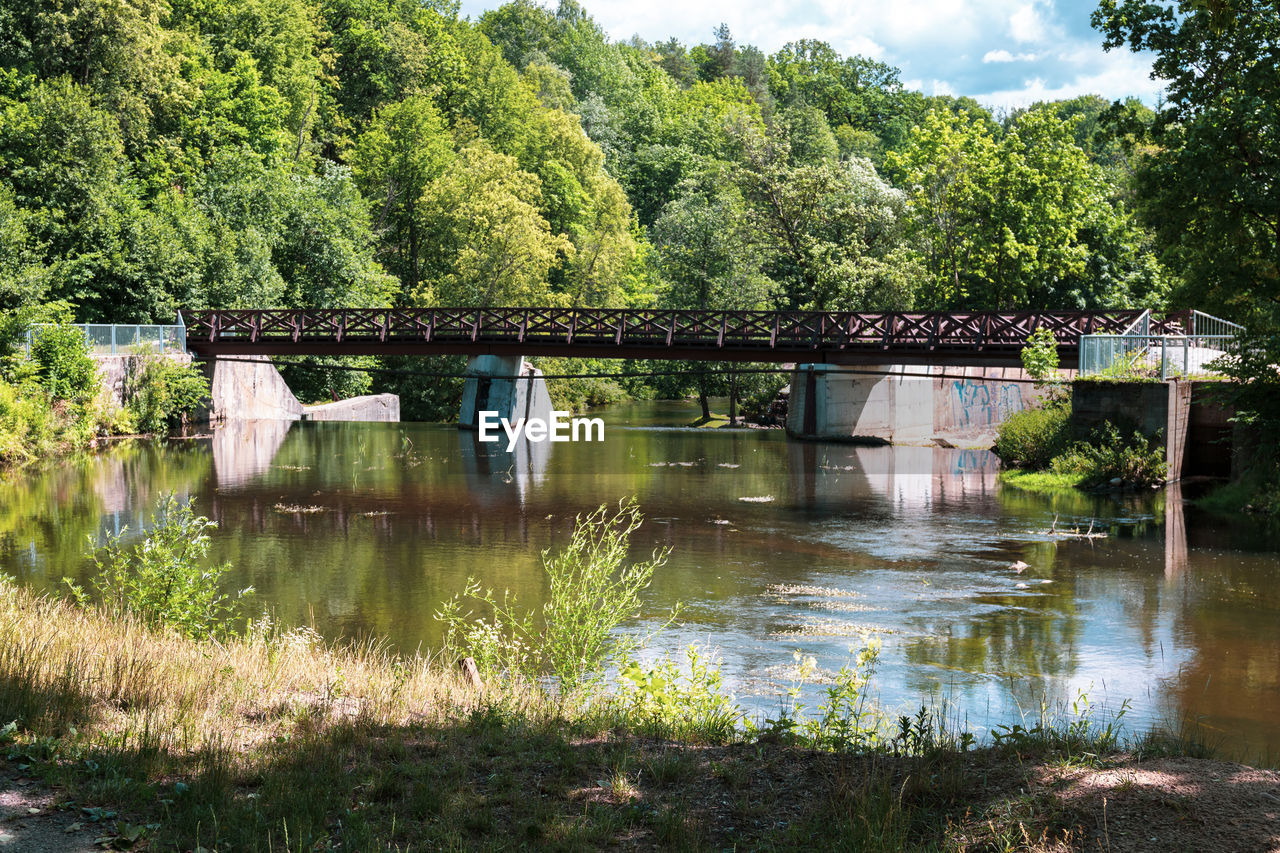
(1040, 481)
(715, 421)
(278, 741)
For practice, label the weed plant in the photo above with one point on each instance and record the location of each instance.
(161, 392)
(1109, 455)
(1040, 355)
(165, 580)
(592, 590)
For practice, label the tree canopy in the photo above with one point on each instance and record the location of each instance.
(344, 152)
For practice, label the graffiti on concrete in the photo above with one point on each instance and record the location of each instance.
(980, 403)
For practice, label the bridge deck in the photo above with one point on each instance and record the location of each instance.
(958, 338)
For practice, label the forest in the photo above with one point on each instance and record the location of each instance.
(330, 153)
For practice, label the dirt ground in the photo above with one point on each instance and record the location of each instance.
(31, 822)
(1173, 804)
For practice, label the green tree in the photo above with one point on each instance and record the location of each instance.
(117, 49)
(403, 150)
(1209, 187)
(833, 233)
(1025, 220)
(711, 260)
(487, 243)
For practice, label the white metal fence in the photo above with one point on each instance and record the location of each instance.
(106, 339)
(1138, 351)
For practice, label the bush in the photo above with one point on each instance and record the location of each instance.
(592, 590)
(318, 378)
(1033, 437)
(26, 424)
(161, 391)
(164, 580)
(578, 395)
(669, 703)
(63, 365)
(1108, 455)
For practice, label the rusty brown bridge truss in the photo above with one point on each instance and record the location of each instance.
(836, 337)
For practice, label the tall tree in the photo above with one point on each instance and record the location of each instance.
(834, 232)
(403, 150)
(1210, 187)
(487, 244)
(1022, 221)
(710, 257)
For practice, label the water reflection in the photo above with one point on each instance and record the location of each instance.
(243, 450)
(777, 546)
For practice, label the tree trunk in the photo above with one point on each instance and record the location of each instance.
(733, 399)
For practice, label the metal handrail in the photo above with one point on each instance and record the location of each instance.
(1207, 324)
(117, 339)
(1100, 353)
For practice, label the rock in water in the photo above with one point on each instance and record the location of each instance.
(1019, 567)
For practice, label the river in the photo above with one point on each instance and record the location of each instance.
(776, 547)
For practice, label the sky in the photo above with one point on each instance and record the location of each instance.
(1005, 53)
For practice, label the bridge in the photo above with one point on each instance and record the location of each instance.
(966, 338)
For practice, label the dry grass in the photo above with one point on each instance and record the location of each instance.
(62, 664)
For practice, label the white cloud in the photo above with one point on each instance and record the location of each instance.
(1006, 56)
(1113, 75)
(1025, 24)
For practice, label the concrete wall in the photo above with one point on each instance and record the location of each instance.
(899, 403)
(1198, 435)
(1142, 406)
(383, 408)
(489, 388)
(980, 399)
(249, 388)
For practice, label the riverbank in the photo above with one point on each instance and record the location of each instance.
(279, 740)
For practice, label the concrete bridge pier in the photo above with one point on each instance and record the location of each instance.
(846, 403)
(897, 403)
(490, 388)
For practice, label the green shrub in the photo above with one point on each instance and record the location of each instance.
(1033, 437)
(1108, 455)
(668, 703)
(578, 395)
(63, 365)
(164, 579)
(161, 391)
(26, 423)
(1040, 355)
(591, 591)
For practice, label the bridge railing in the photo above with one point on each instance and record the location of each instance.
(1165, 356)
(108, 339)
(765, 330)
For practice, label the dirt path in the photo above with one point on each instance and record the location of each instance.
(30, 822)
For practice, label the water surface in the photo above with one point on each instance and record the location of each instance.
(776, 547)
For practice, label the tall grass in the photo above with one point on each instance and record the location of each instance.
(276, 740)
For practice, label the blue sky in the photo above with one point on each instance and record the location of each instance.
(1005, 53)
